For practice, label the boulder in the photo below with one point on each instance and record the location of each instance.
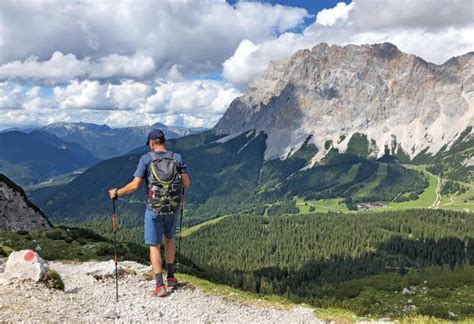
(105, 269)
(23, 265)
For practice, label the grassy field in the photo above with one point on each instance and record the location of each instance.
(192, 229)
(428, 199)
(425, 200)
(323, 205)
(55, 181)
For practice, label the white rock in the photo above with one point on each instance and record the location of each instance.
(24, 264)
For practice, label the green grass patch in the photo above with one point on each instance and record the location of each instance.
(189, 230)
(321, 206)
(426, 199)
(55, 181)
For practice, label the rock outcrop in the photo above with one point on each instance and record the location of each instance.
(332, 92)
(24, 265)
(16, 211)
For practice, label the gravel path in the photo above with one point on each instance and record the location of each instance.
(89, 300)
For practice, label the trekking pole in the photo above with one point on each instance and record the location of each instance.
(180, 225)
(114, 229)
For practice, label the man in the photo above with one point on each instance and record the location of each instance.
(157, 225)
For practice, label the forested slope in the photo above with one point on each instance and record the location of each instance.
(330, 259)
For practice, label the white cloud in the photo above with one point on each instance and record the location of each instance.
(197, 98)
(432, 30)
(197, 35)
(62, 68)
(186, 103)
(329, 17)
(83, 95)
(128, 94)
(11, 96)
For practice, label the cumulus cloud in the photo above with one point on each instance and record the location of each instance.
(329, 17)
(62, 68)
(197, 35)
(198, 98)
(196, 103)
(432, 30)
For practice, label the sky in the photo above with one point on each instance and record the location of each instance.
(182, 62)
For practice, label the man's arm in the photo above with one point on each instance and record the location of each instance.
(186, 181)
(127, 189)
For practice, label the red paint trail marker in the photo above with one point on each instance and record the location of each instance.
(29, 256)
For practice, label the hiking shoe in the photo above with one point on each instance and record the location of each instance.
(172, 282)
(159, 291)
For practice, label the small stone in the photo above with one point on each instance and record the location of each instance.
(111, 313)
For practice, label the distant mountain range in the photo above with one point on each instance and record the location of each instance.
(64, 147)
(331, 122)
(37, 156)
(100, 139)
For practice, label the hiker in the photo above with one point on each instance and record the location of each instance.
(163, 204)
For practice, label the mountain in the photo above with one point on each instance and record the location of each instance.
(37, 156)
(16, 211)
(105, 142)
(288, 138)
(397, 101)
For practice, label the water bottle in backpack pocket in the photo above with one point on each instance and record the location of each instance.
(164, 184)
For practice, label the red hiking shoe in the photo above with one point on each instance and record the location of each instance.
(159, 291)
(171, 282)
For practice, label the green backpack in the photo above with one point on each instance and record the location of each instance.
(164, 184)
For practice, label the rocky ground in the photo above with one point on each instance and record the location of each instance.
(90, 300)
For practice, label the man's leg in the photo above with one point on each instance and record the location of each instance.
(170, 246)
(153, 234)
(155, 258)
(170, 250)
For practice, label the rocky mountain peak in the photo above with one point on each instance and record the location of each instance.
(16, 211)
(332, 92)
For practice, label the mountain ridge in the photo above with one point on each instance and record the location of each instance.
(99, 138)
(37, 156)
(334, 91)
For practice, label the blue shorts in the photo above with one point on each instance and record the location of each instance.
(158, 225)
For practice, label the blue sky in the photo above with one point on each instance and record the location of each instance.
(183, 62)
(312, 6)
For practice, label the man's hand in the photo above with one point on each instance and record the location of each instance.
(113, 193)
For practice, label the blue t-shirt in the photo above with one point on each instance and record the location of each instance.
(142, 168)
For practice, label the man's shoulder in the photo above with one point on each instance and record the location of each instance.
(146, 158)
(177, 156)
